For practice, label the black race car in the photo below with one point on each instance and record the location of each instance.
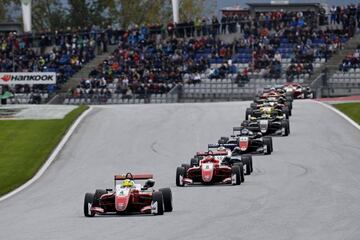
(267, 125)
(247, 142)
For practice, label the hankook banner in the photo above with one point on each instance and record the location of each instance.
(9, 78)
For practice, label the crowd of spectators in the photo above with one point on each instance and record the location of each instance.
(152, 59)
(352, 61)
(63, 52)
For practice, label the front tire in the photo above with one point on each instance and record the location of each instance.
(247, 160)
(267, 145)
(88, 201)
(180, 174)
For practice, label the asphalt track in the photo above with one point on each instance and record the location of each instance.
(309, 188)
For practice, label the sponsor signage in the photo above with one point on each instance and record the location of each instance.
(11, 78)
(279, 2)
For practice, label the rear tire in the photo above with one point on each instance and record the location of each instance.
(97, 196)
(88, 201)
(167, 197)
(253, 105)
(248, 113)
(236, 172)
(158, 203)
(186, 166)
(194, 162)
(223, 140)
(180, 174)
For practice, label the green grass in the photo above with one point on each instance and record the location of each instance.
(350, 109)
(26, 144)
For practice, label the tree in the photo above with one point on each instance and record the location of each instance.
(4, 5)
(79, 13)
(190, 9)
(48, 14)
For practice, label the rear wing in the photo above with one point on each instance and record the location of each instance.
(210, 153)
(237, 129)
(134, 176)
(226, 145)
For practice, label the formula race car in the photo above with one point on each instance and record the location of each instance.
(247, 142)
(210, 171)
(285, 106)
(267, 125)
(268, 110)
(224, 156)
(298, 91)
(129, 197)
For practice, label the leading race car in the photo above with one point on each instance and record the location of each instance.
(298, 91)
(210, 170)
(129, 196)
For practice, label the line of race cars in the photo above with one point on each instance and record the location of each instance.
(231, 160)
(226, 162)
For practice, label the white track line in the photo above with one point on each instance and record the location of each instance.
(50, 159)
(352, 122)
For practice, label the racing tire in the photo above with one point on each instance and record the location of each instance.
(158, 199)
(248, 113)
(88, 202)
(97, 196)
(241, 166)
(253, 105)
(167, 197)
(236, 172)
(186, 166)
(247, 160)
(180, 174)
(223, 140)
(269, 139)
(267, 144)
(285, 126)
(194, 162)
(286, 112)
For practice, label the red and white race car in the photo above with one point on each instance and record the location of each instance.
(298, 91)
(210, 170)
(129, 196)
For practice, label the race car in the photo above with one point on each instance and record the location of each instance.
(298, 91)
(224, 156)
(267, 125)
(247, 142)
(129, 197)
(272, 103)
(210, 171)
(268, 110)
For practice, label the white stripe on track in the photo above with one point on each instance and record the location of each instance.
(352, 122)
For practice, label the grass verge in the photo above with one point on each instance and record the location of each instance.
(350, 109)
(26, 144)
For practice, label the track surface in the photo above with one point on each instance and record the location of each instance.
(308, 189)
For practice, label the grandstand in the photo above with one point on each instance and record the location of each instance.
(230, 58)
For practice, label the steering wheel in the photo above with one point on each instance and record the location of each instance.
(129, 176)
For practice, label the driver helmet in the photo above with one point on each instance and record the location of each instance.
(127, 183)
(221, 149)
(245, 131)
